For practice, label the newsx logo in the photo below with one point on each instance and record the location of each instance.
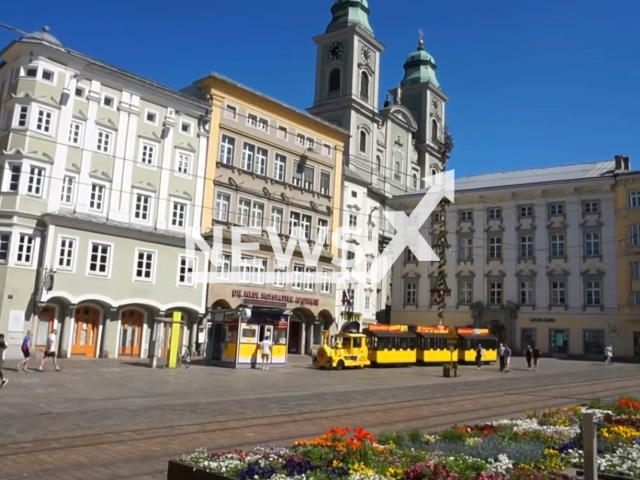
(250, 269)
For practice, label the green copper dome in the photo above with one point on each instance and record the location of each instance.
(350, 12)
(420, 67)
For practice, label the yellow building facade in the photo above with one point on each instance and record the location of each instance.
(269, 165)
(627, 198)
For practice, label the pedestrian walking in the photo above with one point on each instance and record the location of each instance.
(501, 357)
(265, 346)
(529, 356)
(26, 351)
(507, 358)
(479, 355)
(536, 357)
(3, 347)
(608, 354)
(50, 351)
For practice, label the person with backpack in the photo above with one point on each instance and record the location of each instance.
(479, 355)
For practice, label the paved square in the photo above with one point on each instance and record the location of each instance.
(110, 419)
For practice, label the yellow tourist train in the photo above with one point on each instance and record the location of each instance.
(397, 345)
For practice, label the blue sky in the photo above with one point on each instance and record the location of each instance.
(530, 83)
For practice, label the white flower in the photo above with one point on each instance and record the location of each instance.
(501, 464)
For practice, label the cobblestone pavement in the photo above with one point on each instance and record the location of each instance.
(110, 419)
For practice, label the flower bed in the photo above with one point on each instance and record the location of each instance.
(538, 446)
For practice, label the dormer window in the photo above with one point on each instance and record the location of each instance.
(31, 72)
(364, 86)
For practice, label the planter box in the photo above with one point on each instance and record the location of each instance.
(179, 471)
(605, 476)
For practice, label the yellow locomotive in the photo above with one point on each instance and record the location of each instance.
(386, 345)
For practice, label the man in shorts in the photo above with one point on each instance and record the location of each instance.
(3, 347)
(265, 346)
(26, 352)
(50, 351)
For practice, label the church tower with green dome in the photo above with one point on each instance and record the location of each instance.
(421, 93)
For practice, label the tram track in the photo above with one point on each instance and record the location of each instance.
(428, 413)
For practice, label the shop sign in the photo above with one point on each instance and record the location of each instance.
(473, 331)
(542, 320)
(275, 297)
(374, 327)
(432, 329)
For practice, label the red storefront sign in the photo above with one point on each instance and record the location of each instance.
(275, 297)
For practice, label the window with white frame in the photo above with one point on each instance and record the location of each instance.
(246, 267)
(526, 211)
(282, 132)
(310, 143)
(309, 279)
(145, 264)
(96, 198)
(591, 206)
(305, 223)
(325, 183)
(276, 219)
(495, 293)
(183, 163)
(556, 209)
(151, 117)
(248, 153)
(260, 166)
(593, 292)
(557, 245)
(634, 234)
(322, 234)
(108, 101)
(75, 133)
(633, 199)
(309, 177)
(526, 292)
(465, 292)
(103, 141)
(244, 211)
(592, 244)
(66, 252)
(223, 266)
(466, 216)
(22, 117)
(257, 214)
(353, 220)
(300, 139)
(227, 147)
(178, 214)
(263, 124)
(44, 120)
(222, 207)
(298, 272)
(367, 302)
(279, 167)
(495, 213)
(296, 174)
(31, 72)
(558, 292)
(231, 112)
(99, 259)
(142, 207)
(15, 169)
(526, 246)
(252, 120)
(294, 223)
(466, 248)
(186, 271)
(185, 128)
(35, 181)
(635, 270)
(279, 277)
(147, 153)
(325, 281)
(410, 293)
(5, 244)
(24, 255)
(259, 271)
(79, 92)
(409, 256)
(635, 298)
(495, 248)
(47, 75)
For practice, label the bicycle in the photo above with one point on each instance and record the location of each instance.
(185, 359)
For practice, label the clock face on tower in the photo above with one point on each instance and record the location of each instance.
(335, 51)
(366, 54)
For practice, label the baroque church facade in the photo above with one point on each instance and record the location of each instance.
(390, 149)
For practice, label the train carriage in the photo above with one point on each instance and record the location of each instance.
(391, 345)
(468, 341)
(434, 345)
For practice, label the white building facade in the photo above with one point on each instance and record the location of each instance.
(533, 258)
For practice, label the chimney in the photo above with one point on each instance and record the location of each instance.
(618, 159)
(622, 163)
(626, 164)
